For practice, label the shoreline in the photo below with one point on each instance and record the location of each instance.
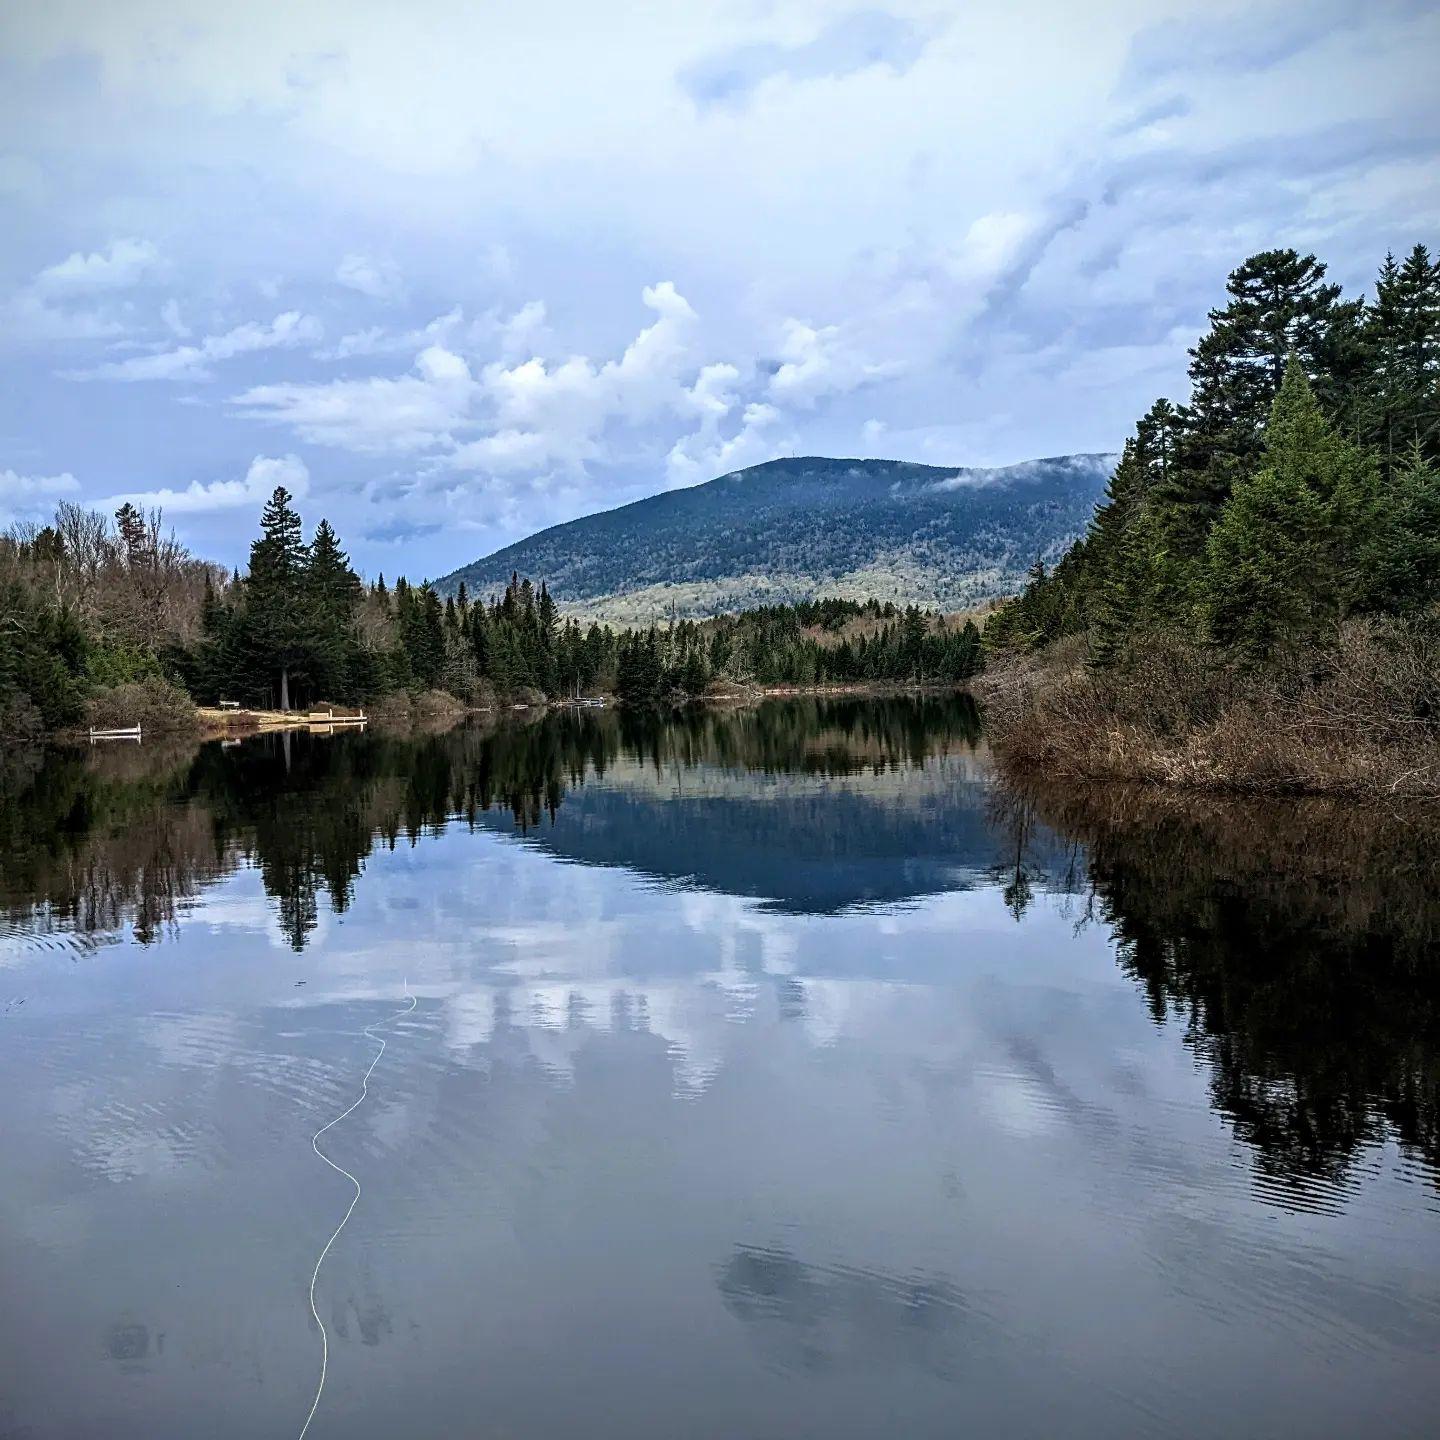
(215, 724)
(209, 722)
(1173, 729)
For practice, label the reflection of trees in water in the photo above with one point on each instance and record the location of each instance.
(90, 841)
(97, 839)
(820, 1318)
(1299, 946)
(1022, 860)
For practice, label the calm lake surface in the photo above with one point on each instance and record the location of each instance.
(772, 1073)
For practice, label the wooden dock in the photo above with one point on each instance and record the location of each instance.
(131, 732)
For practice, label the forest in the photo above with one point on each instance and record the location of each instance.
(1254, 603)
(117, 620)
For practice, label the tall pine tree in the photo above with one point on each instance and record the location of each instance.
(277, 626)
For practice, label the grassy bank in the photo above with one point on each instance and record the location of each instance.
(1359, 716)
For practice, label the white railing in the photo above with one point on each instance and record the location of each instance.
(130, 733)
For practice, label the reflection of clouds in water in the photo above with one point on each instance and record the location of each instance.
(54, 1222)
(555, 948)
(137, 1153)
(469, 1017)
(391, 1123)
(697, 1019)
(1012, 1101)
(716, 963)
(110, 1137)
(830, 1008)
(557, 1020)
(192, 1040)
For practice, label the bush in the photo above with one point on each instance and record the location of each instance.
(154, 704)
(394, 708)
(438, 702)
(402, 709)
(1358, 715)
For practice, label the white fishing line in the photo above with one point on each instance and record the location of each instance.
(354, 1199)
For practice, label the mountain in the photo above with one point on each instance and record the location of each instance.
(799, 528)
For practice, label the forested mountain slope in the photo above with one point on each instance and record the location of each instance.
(795, 529)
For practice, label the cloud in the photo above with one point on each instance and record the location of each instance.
(58, 305)
(33, 497)
(28, 318)
(253, 489)
(191, 363)
(858, 41)
(534, 419)
(1025, 471)
(376, 340)
(124, 264)
(376, 415)
(173, 320)
(557, 415)
(816, 363)
(577, 396)
(717, 445)
(1256, 40)
(701, 456)
(526, 332)
(814, 176)
(379, 279)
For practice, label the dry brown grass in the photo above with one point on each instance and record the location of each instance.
(1358, 717)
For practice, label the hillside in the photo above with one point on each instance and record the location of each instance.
(799, 528)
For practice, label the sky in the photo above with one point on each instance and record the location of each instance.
(452, 272)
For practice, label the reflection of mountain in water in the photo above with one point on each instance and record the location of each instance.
(798, 844)
(1295, 945)
(808, 806)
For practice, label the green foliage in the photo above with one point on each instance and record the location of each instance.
(1296, 487)
(42, 663)
(1400, 561)
(109, 664)
(1280, 556)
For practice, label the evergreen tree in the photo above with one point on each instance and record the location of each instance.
(1400, 562)
(332, 591)
(1280, 305)
(277, 632)
(1402, 390)
(1281, 556)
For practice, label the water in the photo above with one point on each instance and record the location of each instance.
(773, 1073)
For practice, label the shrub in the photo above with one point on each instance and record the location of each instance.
(438, 702)
(1359, 714)
(153, 703)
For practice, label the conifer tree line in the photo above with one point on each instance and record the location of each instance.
(90, 605)
(1296, 489)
